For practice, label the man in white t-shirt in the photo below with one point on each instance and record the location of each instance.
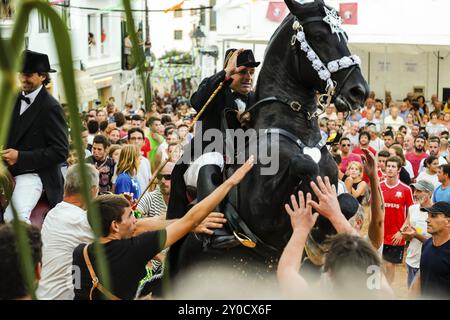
(64, 228)
(416, 232)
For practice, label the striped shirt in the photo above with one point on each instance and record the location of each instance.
(152, 204)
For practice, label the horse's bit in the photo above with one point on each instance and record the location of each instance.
(324, 72)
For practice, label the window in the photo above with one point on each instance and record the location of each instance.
(6, 9)
(178, 14)
(65, 12)
(104, 28)
(92, 35)
(43, 23)
(178, 35)
(212, 16)
(202, 15)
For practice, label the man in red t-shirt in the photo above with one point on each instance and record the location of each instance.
(397, 199)
(364, 139)
(416, 156)
(383, 155)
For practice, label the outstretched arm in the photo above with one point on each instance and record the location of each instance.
(376, 225)
(200, 211)
(302, 221)
(328, 205)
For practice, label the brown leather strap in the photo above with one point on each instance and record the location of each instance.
(95, 282)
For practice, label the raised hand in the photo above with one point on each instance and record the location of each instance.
(240, 173)
(214, 220)
(369, 164)
(232, 67)
(301, 213)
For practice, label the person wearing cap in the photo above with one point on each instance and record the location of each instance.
(433, 279)
(235, 96)
(37, 140)
(416, 231)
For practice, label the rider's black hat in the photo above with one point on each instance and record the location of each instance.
(35, 62)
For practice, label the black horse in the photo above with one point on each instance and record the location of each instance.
(290, 78)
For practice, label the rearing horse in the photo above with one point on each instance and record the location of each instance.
(307, 54)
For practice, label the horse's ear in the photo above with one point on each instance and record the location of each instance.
(296, 6)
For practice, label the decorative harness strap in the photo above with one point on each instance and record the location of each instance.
(95, 282)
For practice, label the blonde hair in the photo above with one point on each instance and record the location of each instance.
(113, 148)
(358, 165)
(129, 160)
(399, 152)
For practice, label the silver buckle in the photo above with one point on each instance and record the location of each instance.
(296, 106)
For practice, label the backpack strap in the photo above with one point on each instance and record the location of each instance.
(95, 282)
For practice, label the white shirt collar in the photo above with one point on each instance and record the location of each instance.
(32, 96)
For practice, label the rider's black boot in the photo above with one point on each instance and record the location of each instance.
(209, 178)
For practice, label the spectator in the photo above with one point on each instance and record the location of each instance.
(136, 137)
(433, 279)
(418, 154)
(383, 155)
(91, 39)
(128, 251)
(156, 138)
(12, 282)
(127, 169)
(442, 193)
(397, 199)
(65, 227)
(348, 257)
(346, 156)
(434, 128)
(406, 172)
(434, 149)
(103, 163)
(354, 183)
(416, 232)
(388, 138)
(114, 136)
(408, 144)
(375, 142)
(430, 172)
(394, 120)
(101, 116)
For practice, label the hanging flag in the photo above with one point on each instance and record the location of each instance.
(349, 13)
(276, 11)
(175, 7)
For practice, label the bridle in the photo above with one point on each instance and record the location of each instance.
(324, 71)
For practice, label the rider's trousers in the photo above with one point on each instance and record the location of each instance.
(26, 194)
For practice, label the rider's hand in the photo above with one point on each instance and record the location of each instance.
(301, 213)
(231, 67)
(244, 118)
(240, 173)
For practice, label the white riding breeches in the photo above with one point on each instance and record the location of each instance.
(26, 194)
(191, 174)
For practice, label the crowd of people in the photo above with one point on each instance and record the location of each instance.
(393, 158)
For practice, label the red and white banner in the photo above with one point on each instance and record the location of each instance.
(349, 13)
(276, 11)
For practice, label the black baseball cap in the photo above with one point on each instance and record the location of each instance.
(439, 207)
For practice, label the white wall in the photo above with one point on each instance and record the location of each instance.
(411, 22)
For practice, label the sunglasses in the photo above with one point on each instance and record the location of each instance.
(346, 145)
(165, 176)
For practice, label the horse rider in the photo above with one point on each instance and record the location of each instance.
(37, 141)
(235, 96)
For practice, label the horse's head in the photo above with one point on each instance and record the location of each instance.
(325, 60)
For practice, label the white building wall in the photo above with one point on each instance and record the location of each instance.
(420, 24)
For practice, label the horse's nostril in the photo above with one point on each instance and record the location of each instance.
(358, 93)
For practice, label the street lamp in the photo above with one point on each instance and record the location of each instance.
(199, 37)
